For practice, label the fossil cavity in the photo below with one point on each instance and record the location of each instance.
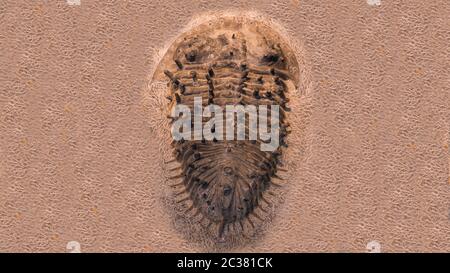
(228, 61)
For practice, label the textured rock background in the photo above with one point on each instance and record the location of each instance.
(81, 151)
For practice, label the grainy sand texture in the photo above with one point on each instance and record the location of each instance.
(83, 134)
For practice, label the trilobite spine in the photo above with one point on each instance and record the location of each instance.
(226, 181)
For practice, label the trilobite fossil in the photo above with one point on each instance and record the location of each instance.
(229, 61)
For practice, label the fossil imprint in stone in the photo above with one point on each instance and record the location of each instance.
(228, 61)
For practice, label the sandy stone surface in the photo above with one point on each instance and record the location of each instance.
(83, 141)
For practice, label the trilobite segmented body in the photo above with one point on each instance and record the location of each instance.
(229, 62)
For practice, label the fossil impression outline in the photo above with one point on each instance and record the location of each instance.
(228, 61)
